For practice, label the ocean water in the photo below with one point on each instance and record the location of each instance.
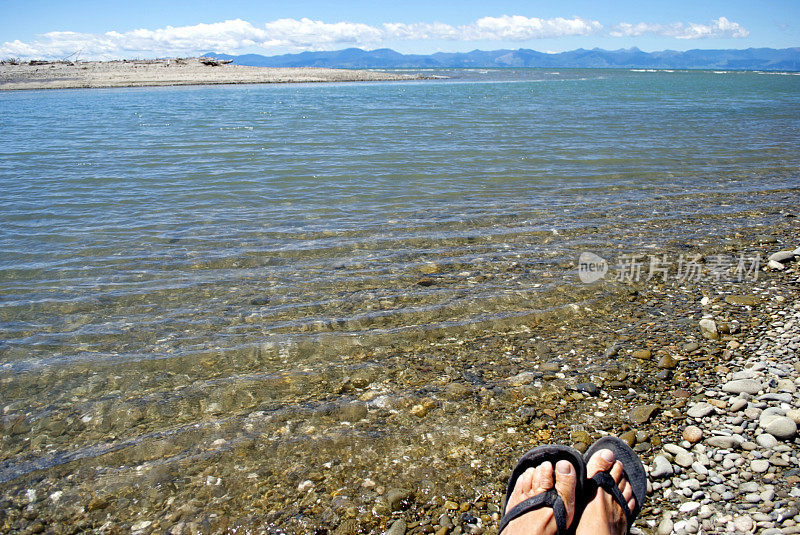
(159, 241)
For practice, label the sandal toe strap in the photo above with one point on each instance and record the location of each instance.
(545, 499)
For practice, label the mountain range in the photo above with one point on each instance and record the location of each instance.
(786, 59)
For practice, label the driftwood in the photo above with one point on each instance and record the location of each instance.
(214, 62)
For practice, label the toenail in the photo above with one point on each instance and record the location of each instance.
(564, 467)
(607, 455)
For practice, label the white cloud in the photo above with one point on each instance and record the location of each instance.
(720, 27)
(518, 28)
(233, 36)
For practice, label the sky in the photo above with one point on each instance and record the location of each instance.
(115, 29)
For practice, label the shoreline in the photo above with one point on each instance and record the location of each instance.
(36, 75)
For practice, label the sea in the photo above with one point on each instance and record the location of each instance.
(165, 249)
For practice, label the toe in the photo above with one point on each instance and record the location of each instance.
(542, 478)
(566, 478)
(601, 461)
(627, 493)
(617, 472)
(522, 487)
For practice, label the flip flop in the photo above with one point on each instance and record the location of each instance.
(550, 498)
(632, 469)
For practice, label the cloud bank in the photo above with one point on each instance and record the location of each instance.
(233, 36)
(720, 27)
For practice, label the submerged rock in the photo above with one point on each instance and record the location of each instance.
(398, 498)
(642, 413)
(708, 328)
(667, 362)
(589, 388)
(398, 527)
(742, 300)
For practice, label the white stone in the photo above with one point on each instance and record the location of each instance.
(699, 468)
(688, 507)
(759, 466)
(661, 467)
(738, 386)
(665, 526)
(766, 440)
(699, 410)
(781, 428)
(708, 328)
(772, 264)
(781, 256)
(743, 524)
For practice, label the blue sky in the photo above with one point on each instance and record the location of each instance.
(105, 29)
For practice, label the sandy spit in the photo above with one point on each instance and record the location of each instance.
(191, 71)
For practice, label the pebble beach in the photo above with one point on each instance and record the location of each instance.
(167, 72)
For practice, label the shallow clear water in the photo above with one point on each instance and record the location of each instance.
(139, 221)
(269, 229)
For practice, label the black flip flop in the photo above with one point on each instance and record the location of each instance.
(632, 468)
(550, 498)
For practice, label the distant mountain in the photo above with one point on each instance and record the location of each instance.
(786, 59)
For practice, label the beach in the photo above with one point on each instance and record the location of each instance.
(271, 309)
(167, 72)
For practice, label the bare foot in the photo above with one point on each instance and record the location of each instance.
(537, 481)
(603, 515)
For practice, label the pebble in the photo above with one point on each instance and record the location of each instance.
(681, 457)
(667, 362)
(642, 413)
(781, 428)
(765, 440)
(739, 386)
(665, 526)
(724, 442)
(689, 507)
(743, 524)
(781, 256)
(699, 468)
(775, 265)
(692, 434)
(398, 527)
(661, 467)
(700, 410)
(708, 328)
(738, 404)
(759, 466)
